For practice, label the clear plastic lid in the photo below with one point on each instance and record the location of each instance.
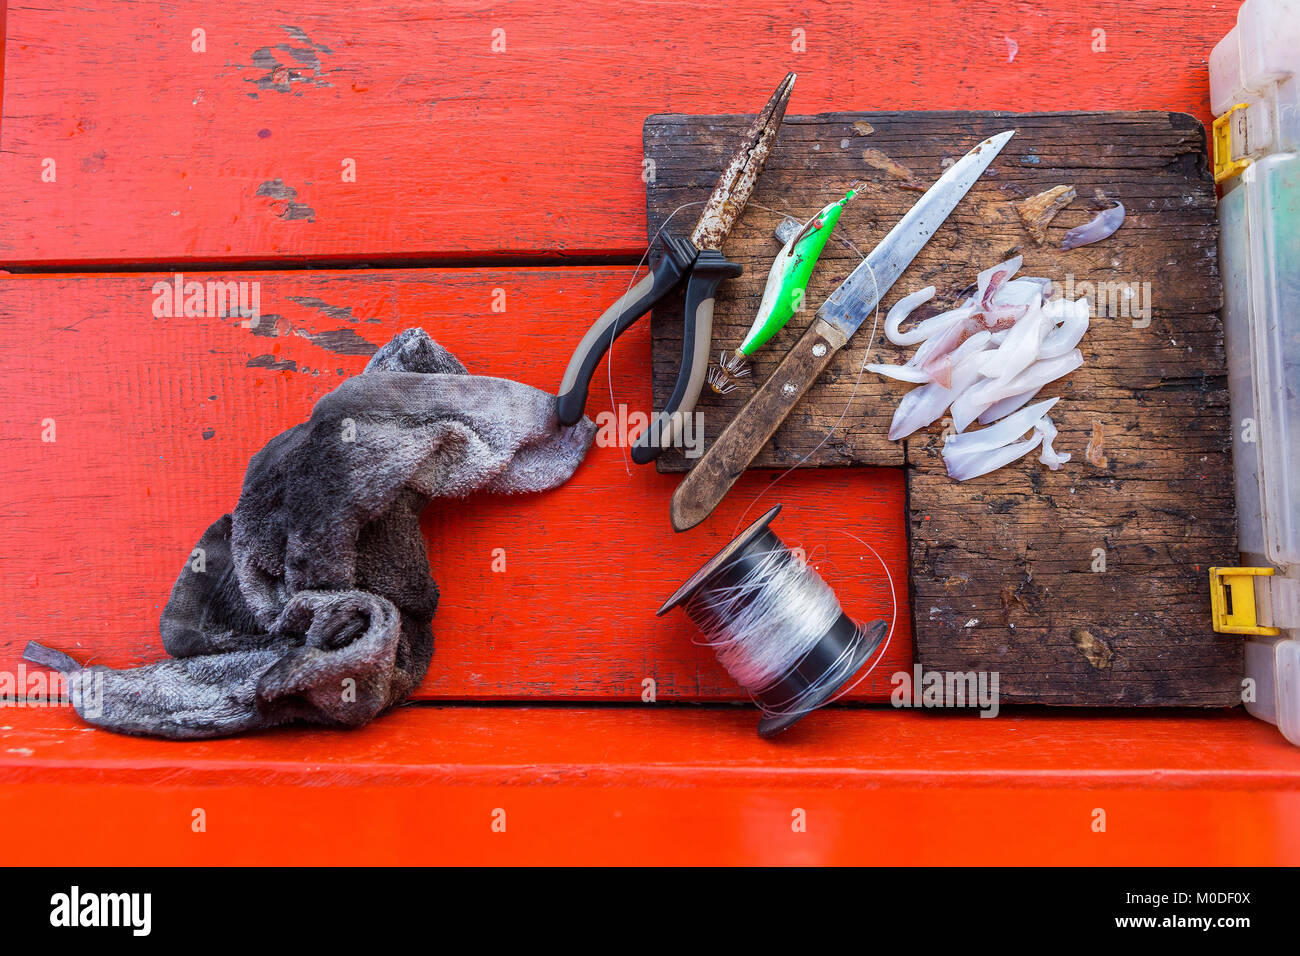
(1258, 64)
(1234, 264)
(1272, 197)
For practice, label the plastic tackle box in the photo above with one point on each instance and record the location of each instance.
(1255, 97)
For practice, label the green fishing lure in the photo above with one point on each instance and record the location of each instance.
(783, 295)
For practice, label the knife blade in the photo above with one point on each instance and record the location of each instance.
(839, 317)
(849, 305)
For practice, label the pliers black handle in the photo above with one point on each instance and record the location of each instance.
(679, 259)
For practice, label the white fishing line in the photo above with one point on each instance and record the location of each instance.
(760, 627)
(764, 611)
(893, 621)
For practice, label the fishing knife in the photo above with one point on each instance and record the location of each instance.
(839, 317)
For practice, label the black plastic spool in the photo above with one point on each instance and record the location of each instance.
(816, 676)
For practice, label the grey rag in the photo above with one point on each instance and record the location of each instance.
(312, 601)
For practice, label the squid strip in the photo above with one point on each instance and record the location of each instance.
(974, 401)
(1049, 456)
(903, 373)
(1102, 227)
(1068, 334)
(1006, 406)
(941, 368)
(976, 465)
(919, 407)
(978, 453)
(1023, 291)
(1019, 349)
(1003, 271)
(1009, 429)
(957, 327)
(922, 406)
(902, 308)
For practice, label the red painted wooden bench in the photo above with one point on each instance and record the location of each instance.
(498, 148)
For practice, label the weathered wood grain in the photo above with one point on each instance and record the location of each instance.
(1084, 586)
(471, 142)
(154, 420)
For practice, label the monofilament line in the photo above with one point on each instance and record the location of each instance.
(761, 627)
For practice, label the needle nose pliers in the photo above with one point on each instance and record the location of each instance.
(700, 261)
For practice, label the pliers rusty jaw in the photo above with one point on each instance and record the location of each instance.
(698, 260)
(737, 181)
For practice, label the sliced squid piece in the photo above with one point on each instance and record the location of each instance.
(1042, 281)
(978, 453)
(1020, 349)
(973, 466)
(952, 336)
(1003, 316)
(940, 369)
(1069, 333)
(973, 402)
(919, 407)
(1021, 289)
(976, 344)
(902, 308)
(969, 406)
(1011, 428)
(903, 373)
(922, 406)
(935, 326)
(993, 277)
(1049, 456)
(1022, 292)
(1103, 226)
(1006, 406)
(1058, 310)
(945, 340)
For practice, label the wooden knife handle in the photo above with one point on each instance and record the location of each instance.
(741, 441)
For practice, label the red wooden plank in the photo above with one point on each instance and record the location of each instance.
(665, 784)
(709, 825)
(163, 154)
(155, 419)
(677, 745)
(4, 18)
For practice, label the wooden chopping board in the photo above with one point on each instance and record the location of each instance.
(1083, 586)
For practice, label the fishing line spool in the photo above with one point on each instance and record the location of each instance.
(776, 625)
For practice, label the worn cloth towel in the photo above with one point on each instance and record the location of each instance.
(313, 601)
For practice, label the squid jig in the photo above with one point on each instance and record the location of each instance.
(782, 296)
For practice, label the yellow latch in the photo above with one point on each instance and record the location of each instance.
(1225, 167)
(1232, 601)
